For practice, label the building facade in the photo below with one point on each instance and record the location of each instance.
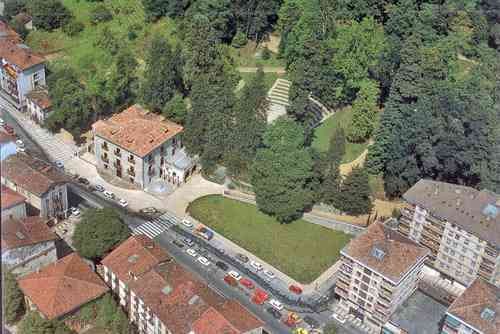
(475, 311)
(44, 187)
(380, 270)
(141, 147)
(21, 69)
(161, 297)
(459, 225)
(13, 204)
(27, 245)
(38, 105)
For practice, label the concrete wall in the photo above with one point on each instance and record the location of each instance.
(28, 259)
(26, 83)
(17, 211)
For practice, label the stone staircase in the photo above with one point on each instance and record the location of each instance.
(278, 97)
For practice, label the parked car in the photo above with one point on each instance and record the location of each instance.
(148, 210)
(269, 274)
(276, 304)
(83, 181)
(274, 312)
(230, 280)
(2, 122)
(108, 194)
(188, 242)
(187, 223)
(221, 265)
(204, 232)
(20, 143)
(20, 149)
(123, 202)
(9, 129)
(247, 283)
(256, 265)
(234, 274)
(203, 260)
(191, 252)
(99, 188)
(241, 258)
(59, 164)
(313, 323)
(178, 243)
(295, 289)
(339, 317)
(75, 212)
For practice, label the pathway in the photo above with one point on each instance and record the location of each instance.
(359, 161)
(266, 69)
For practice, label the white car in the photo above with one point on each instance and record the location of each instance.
(123, 203)
(269, 274)
(19, 143)
(234, 274)
(108, 194)
(191, 252)
(256, 265)
(20, 149)
(2, 122)
(59, 164)
(340, 318)
(276, 304)
(75, 212)
(187, 223)
(203, 260)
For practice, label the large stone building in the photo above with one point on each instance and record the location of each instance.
(380, 270)
(162, 297)
(27, 244)
(43, 186)
(476, 311)
(139, 147)
(13, 204)
(21, 70)
(459, 225)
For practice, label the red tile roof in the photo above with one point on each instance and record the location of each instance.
(7, 33)
(16, 53)
(31, 174)
(63, 286)
(137, 130)
(212, 322)
(26, 231)
(10, 198)
(40, 97)
(400, 253)
(137, 255)
(5, 137)
(473, 301)
(179, 300)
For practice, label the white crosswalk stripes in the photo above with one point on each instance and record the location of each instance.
(155, 226)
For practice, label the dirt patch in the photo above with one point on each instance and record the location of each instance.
(272, 42)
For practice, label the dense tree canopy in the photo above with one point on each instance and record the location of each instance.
(49, 14)
(282, 170)
(99, 231)
(33, 323)
(12, 297)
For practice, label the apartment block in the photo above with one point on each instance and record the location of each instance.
(162, 297)
(141, 147)
(380, 270)
(21, 69)
(459, 225)
(475, 311)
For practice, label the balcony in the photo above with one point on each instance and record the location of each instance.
(131, 160)
(104, 147)
(151, 172)
(117, 165)
(131, 172)
(105, 158)
(118, 153)
(384, 299)
(341, 292)
(345, 276)
(342, 284)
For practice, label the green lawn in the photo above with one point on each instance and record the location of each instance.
(322, 135)
(300, 249)
(269, 78)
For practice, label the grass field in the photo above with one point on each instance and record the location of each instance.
(322, 135)
(269, 78)
(300, 249)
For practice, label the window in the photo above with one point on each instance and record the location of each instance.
(457, 237)
(105, 166)
(448, 241)
(452, 252)
(471, 271)
(466, 242)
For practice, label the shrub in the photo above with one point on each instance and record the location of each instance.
(266, 54)
(239, 40)
(73, 28)
(100, 14)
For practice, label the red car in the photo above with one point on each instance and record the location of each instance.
(9, 129)
(247, 283)
(259, 297)
(230, 280)
(295, 289)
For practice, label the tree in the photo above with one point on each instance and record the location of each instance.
(73, 28)
(100, 13)
(239, 40)
(123, 83)
(13, 7)
(249, 124)
(108, 41)
(175, 109)
(33, 323)
(19, 27)
(160, 77)
(355, 193)
(13, 298)
(331, 179)
(330, 328)
(255, 18)
(49, 14)
(155, 9)
(70, 102)
(99, 231)
(219, 15)
(281, 171)
(364, 111)
(111, 316)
